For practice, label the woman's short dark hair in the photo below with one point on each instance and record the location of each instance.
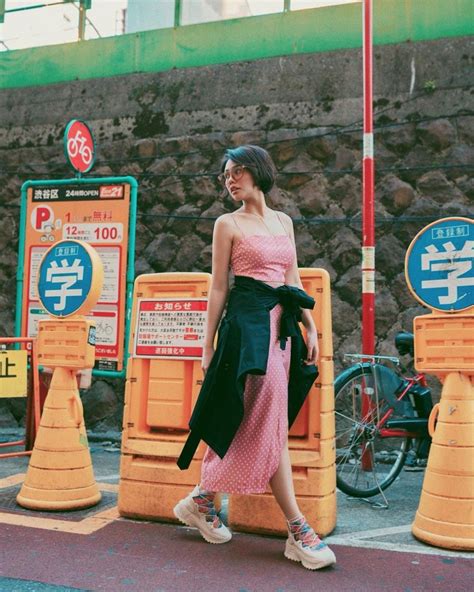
(258, 161)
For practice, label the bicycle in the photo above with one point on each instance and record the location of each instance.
(378, 413)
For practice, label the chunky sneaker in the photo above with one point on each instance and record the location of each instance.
(304, 545)
(197, 509)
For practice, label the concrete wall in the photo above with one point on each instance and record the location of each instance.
(169, 129)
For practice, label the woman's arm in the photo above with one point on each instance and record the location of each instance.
(221, 251)
(292, 278)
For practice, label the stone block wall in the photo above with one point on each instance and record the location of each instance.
(169, 130)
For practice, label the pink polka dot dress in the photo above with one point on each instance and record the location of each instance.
(254, 454)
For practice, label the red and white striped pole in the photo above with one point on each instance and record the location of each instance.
(368, 218)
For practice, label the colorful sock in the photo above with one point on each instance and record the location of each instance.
(205, 502)
(206, 492)
(303, 532)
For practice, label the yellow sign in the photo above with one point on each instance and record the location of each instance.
(13, 373)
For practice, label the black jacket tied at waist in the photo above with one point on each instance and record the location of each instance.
(242, 348)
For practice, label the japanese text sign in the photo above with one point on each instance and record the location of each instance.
(170, 328)
(439, 265)
(69, 278)
(94, 211)
(13, 373)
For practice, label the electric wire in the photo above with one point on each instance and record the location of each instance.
(268, 143)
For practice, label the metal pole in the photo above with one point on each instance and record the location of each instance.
(82, 22)
(368, 217)
(287, 6)
(177, 13)
(368, 235)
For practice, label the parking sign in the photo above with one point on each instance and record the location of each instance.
(439, 265)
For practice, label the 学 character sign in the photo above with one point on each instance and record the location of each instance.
(70, 276)
(439, 265)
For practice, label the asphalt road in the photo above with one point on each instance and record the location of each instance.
(373, 544)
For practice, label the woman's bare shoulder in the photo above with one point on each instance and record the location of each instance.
(225, 226)
(285, 219)
(225, 221)
(225, 218)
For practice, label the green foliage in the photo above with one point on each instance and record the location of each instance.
(429, 86)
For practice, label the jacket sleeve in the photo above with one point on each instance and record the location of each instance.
(302, 377)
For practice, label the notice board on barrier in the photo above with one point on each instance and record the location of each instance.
(98, 211)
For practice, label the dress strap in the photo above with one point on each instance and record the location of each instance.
(278, 215)
(239, 228)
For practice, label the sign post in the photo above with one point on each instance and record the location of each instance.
(99, 211)
(60, 474)
(368, 205)
(439, 269)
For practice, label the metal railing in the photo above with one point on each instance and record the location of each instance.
(94, 19)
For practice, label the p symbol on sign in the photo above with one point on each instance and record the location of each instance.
(41, 217)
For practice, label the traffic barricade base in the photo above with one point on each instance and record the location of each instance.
(445, 515)
(435, 532)
(60, 474)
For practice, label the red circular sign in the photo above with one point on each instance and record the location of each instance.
(79, 146)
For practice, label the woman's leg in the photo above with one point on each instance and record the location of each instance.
(303, 544)
(283, 488)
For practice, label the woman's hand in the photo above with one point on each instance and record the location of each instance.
(312, 346)
(207, 354)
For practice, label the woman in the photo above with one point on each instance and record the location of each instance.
(254, 385)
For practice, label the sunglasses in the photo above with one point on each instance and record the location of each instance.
(235, 172)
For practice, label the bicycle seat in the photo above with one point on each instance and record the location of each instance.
(404, 343)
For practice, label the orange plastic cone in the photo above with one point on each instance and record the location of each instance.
(60, 474)
(445, 516)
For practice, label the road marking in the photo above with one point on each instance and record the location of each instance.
(12, 480)
(109, 487)
(378, 532)
(86, 526)
(114, 477)
(358, 539)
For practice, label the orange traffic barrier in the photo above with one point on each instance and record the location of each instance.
(60, 474)
(160, 394)
(163, 380)
(445, 516)
(311, 439)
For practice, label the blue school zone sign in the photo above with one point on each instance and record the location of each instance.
(65, 278)
(439, 265)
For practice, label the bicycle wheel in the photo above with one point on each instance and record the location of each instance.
(366, 462)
